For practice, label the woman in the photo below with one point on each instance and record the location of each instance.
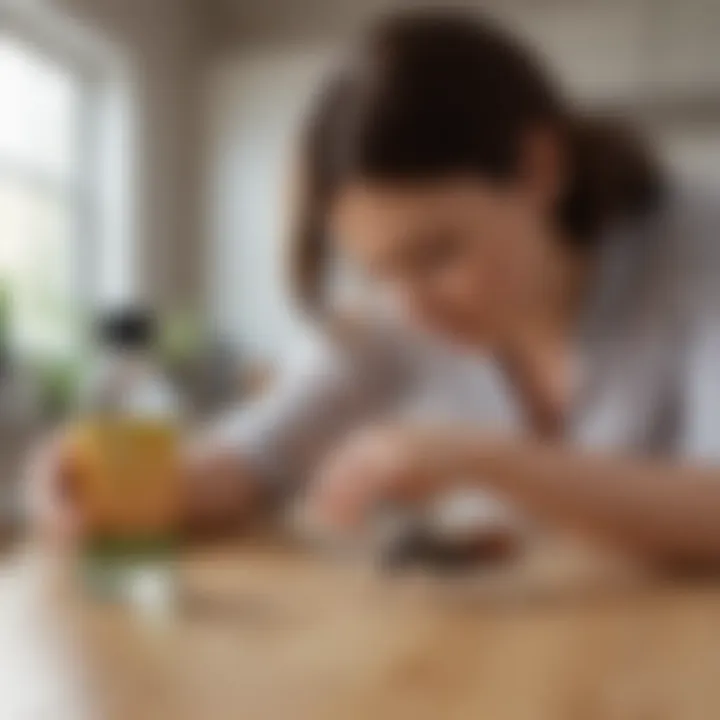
(547, 308)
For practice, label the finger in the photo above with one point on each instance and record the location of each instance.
(330, 491)
(52, 497)
(346, 491)
(68, 500)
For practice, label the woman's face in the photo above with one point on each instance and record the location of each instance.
(463, 258)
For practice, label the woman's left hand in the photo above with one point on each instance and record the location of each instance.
(400, 463)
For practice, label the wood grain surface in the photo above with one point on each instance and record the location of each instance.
(270, 633)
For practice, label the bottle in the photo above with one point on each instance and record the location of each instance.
(126, 444)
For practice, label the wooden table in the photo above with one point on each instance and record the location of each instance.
(270, 633)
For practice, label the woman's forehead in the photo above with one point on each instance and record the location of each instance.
(398, 206)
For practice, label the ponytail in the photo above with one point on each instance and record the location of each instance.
(614, 177)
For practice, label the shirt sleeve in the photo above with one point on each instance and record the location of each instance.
(336, 385)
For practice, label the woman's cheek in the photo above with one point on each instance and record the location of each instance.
(476, 301)
(503, 283)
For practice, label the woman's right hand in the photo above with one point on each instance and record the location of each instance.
(51, 491)
(216, 494)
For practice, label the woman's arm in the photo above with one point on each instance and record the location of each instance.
(668, 511)
(255, 454)
(220, 491)
(663, 510)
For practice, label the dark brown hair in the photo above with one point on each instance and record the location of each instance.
(436, 94)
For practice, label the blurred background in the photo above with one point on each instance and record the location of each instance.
(144, 146)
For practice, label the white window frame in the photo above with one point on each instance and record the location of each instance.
(108, 186)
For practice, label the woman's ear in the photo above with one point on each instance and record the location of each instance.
(542, 167)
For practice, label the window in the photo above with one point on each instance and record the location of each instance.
(41, 161)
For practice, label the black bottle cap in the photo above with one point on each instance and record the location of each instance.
(127, 328)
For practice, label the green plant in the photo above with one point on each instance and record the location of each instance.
(58, 383)
(181, 340)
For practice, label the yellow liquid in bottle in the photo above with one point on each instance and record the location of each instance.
(126, 472)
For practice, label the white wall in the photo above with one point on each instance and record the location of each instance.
(605, 52)
(164, 43)
(256, 100)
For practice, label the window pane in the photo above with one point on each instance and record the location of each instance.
(36, 265)
(40, 107)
